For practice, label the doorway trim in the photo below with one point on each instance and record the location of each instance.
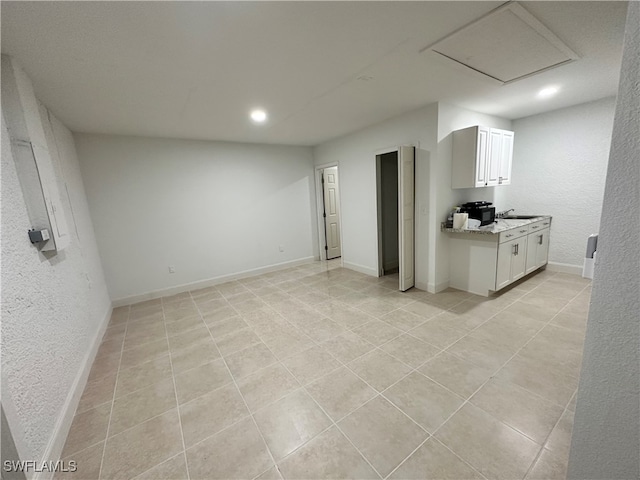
(376, 155)
(379, 154)
(322, 254)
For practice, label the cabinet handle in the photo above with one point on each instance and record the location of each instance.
(509, 236)
(522, 231)
(515, 250)
(535, 226)
(540, 242)
(546, 223)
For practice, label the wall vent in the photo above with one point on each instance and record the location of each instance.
(507, 44)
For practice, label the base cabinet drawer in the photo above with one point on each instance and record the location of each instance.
(513, 233)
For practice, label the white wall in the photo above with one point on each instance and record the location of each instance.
(451, 118)
(54, 309)
(559, 169)
(209, 209)
(356, 155)
(606, 429)
(429, 128)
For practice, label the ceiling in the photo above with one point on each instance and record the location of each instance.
(320, 69)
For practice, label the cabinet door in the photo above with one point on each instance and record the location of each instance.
(503, 268)
(542, 250)
(506, 157)
(482, 156)
(519, 259)
(532, 252)
(495, 151)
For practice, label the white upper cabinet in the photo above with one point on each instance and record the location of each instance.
(482, 154)
(493, 164)
(481, 157)
(506, 158)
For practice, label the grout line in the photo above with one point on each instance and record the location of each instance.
(467, 400)
(175, 389)
(113, 398)
(264, 441)
(333, 424)
(498, 370)
(314, 307)
(161, 463)
(539, 454)
(378, 393)
(461, 459)
(409, 456)
(302, 387)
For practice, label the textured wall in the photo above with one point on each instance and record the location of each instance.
(209, 209)
(52, 306)
(559, 169)
(606, 431)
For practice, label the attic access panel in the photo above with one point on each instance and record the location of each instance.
(506, 45)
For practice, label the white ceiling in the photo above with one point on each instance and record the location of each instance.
(195, 69)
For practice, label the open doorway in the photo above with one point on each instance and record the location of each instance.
(388, 251)
(329, 230)
(395, 172)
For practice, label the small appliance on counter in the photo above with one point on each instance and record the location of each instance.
(482, 211)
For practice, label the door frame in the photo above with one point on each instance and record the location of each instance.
(376, 155)
(322, 253)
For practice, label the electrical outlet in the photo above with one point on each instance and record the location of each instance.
(281, 248)
(172, 269)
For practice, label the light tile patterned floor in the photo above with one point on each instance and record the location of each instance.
(321, 372)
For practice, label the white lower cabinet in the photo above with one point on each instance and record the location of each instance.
(511, 263)
(537, 249)
(482, 264)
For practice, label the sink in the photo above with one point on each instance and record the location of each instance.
(520, 217)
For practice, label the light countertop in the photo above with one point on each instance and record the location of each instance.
(500, 225)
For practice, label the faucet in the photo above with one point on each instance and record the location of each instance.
(505, 213)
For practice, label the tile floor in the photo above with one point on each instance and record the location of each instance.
(321, 372)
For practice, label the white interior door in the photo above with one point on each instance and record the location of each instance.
(406, 194)
(331, 212)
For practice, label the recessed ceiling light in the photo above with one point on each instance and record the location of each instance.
(547, 92)
(258, 116)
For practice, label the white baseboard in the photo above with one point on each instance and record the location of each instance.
(564, 268)
(186, 287)
(63, 424)
(360, 268)
(437, 287)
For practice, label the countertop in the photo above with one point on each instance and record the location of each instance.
(500, 225)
